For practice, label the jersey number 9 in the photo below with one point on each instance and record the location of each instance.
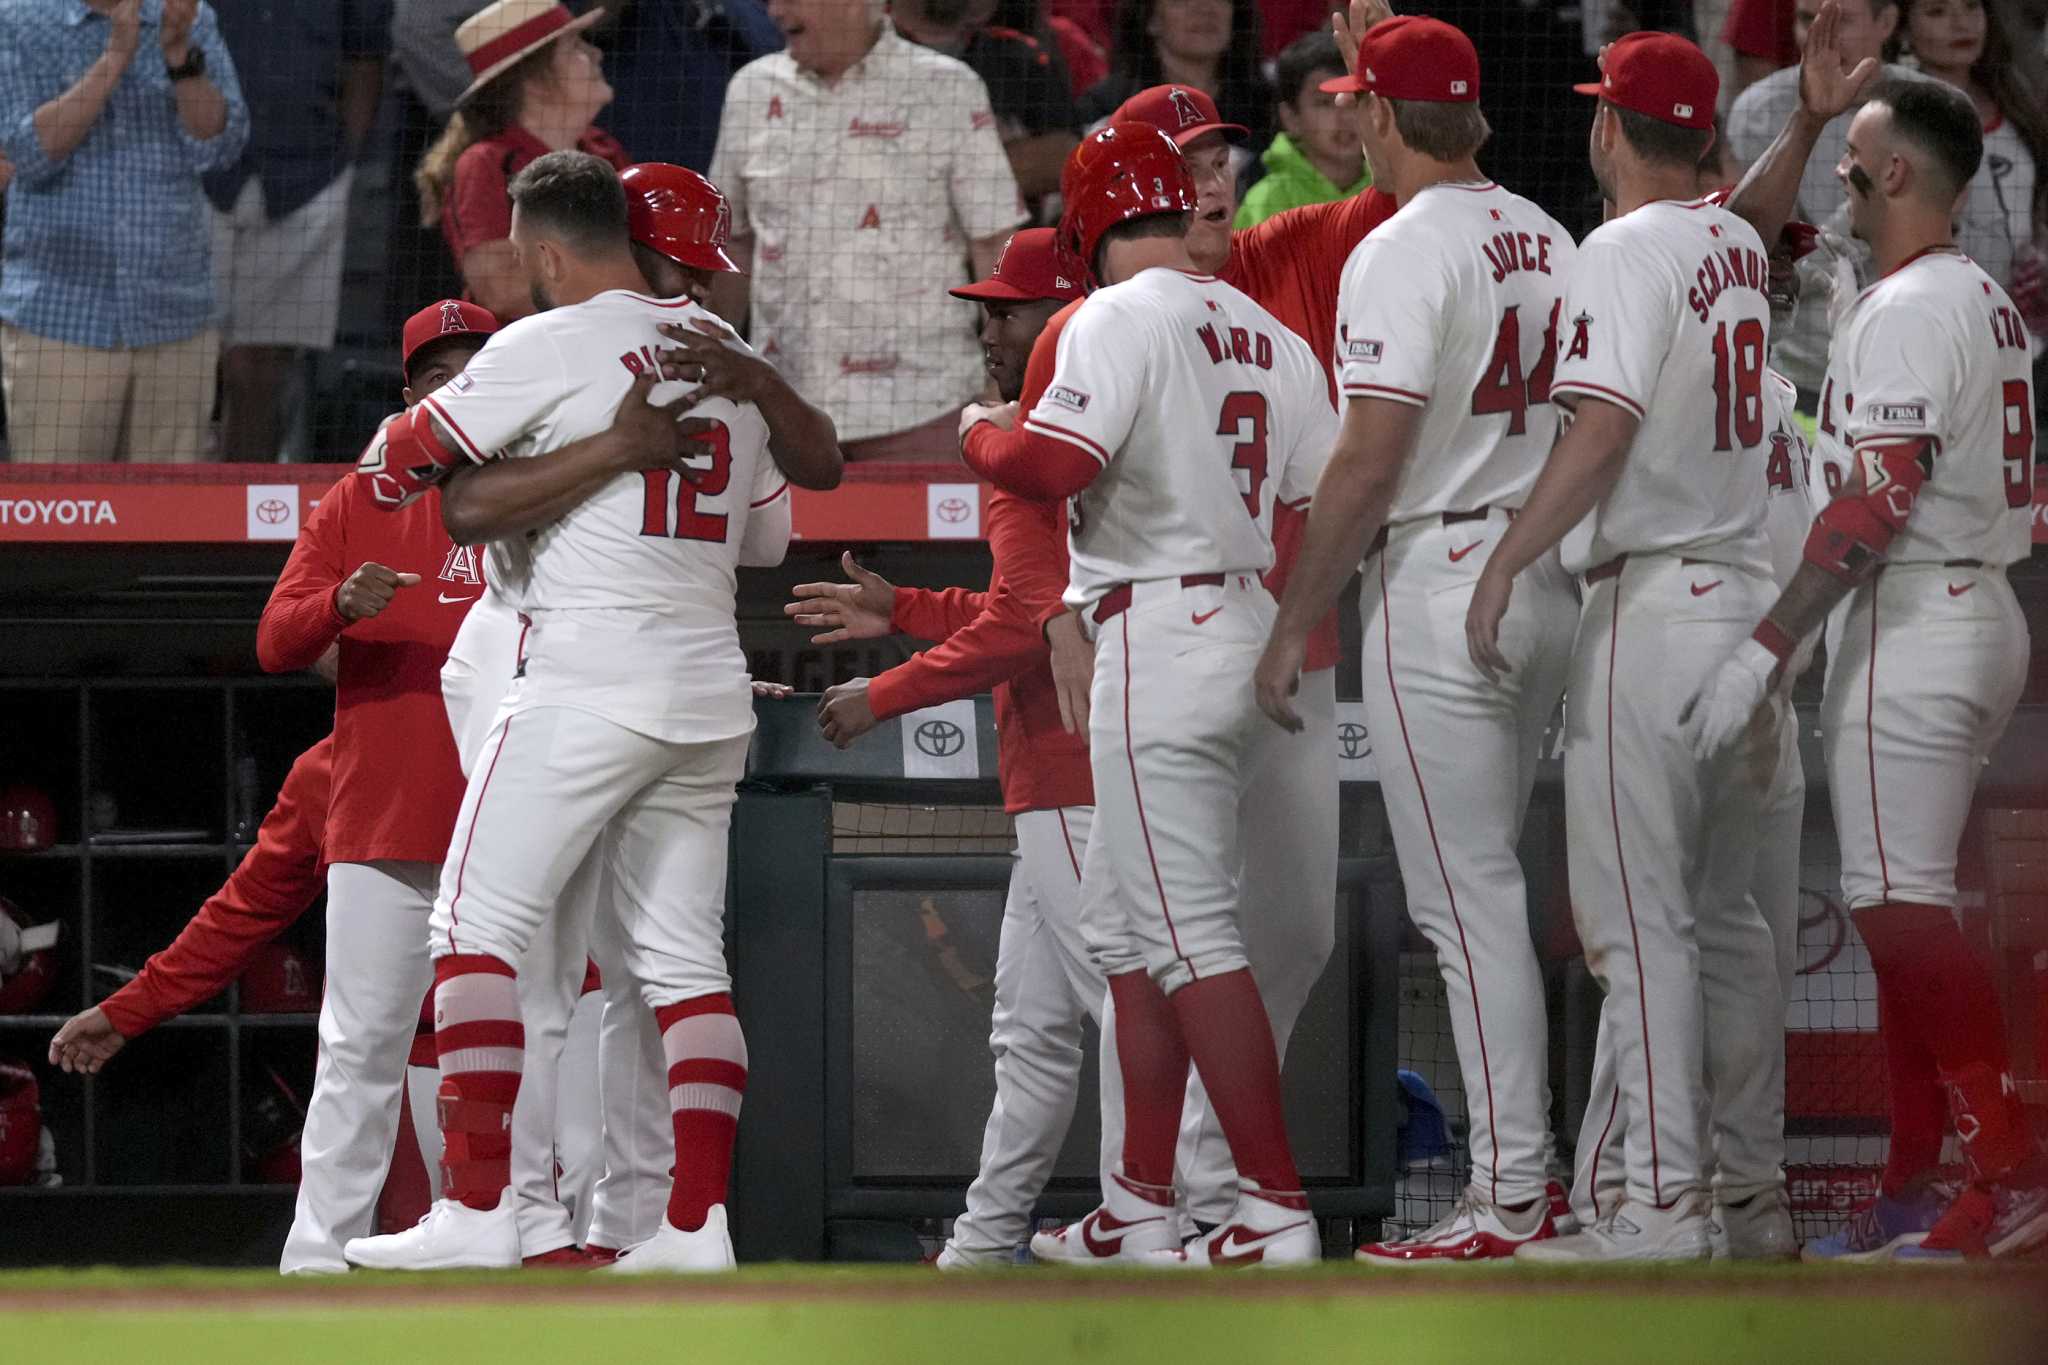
(691, 522)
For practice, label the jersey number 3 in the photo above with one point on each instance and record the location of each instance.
(1244, 416)
(691, 523)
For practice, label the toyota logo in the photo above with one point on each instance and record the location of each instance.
(1351, 740)
(939, 738)
(272, 511)
(953, 510)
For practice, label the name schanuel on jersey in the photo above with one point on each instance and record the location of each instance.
(1736, 268)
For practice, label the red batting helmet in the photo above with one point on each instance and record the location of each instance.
(677, 213)
(21, 1123)
(280, 981)
(28, 960)
(28, 819)
(1118, 173)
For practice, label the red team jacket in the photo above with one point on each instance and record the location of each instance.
(997, 637)
(397, 781)
(272, 886)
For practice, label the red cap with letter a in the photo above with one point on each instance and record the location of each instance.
(1413, 57)
(1660, 75)
(1029, 270)
(449, 317)
(1182, 112)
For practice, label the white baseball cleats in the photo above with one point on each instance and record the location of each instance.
(1758, 1228)
(1475, 1230)
(1632, 1232)
(452, 1236)
(1126, 1230)
(672, 1251)
(1268, 1231)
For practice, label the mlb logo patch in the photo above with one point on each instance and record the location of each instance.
(1681, 111)
(1459, 87)
(1364, 352)
(1073, 400)
(1899, 414)
(461, 383)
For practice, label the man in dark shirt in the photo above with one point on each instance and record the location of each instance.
(669, 61)
(311, 75)
(1026, 79)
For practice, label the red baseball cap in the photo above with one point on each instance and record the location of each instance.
(1414, 57)
(1660, 75)
(449, 317)
(1182, 112)
(1027, 271)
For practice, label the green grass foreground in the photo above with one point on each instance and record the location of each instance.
(814, 1315)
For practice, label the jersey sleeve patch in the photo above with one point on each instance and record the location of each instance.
(1072, 399)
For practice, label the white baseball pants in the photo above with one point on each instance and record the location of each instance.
(1930, 664)
(549, 781)
(1173, 733)
(1744, 1012)
(1654, 834)
(1290, 923)
(1457, 761)
(1046, 990)
(377, 973)
(639, 1141)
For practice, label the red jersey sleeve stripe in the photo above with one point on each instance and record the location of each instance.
(469, 447)
(1600, 392)
(1072, 438)
(1408, 396)
(780, 489)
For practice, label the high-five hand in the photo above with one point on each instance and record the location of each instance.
(1827, 84)
(861, 610)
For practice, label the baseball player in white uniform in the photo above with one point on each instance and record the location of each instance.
(1652, 488)
(1179, 411)
(1447, 336)
(626, 729)
(1929, 395)
(678, 224)
(1745, 1052)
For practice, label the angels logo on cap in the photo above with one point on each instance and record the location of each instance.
(1184, 107)
(451, 317)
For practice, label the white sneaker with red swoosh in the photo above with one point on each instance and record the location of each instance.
(1475, 1230)
(1128, 1227)
(1269, 1230)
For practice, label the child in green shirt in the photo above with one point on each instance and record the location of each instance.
(1317, 158)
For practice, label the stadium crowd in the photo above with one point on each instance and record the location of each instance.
(214, 212)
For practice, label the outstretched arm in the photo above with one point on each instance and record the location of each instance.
(1827, 87)
(510, 497)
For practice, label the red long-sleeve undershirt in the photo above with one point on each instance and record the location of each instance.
(267, 892)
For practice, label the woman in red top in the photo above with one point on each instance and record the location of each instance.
(538, 85)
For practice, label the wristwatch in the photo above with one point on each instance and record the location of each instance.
(193, 65)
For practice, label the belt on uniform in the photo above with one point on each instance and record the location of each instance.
(1600, 573)
(1379, 542)
(1117, 600)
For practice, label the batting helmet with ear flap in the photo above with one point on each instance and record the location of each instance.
(677, 213)
(1120, 172)
(28, 960)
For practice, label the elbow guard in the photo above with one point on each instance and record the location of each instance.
(1852, 533)
(405, 459)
